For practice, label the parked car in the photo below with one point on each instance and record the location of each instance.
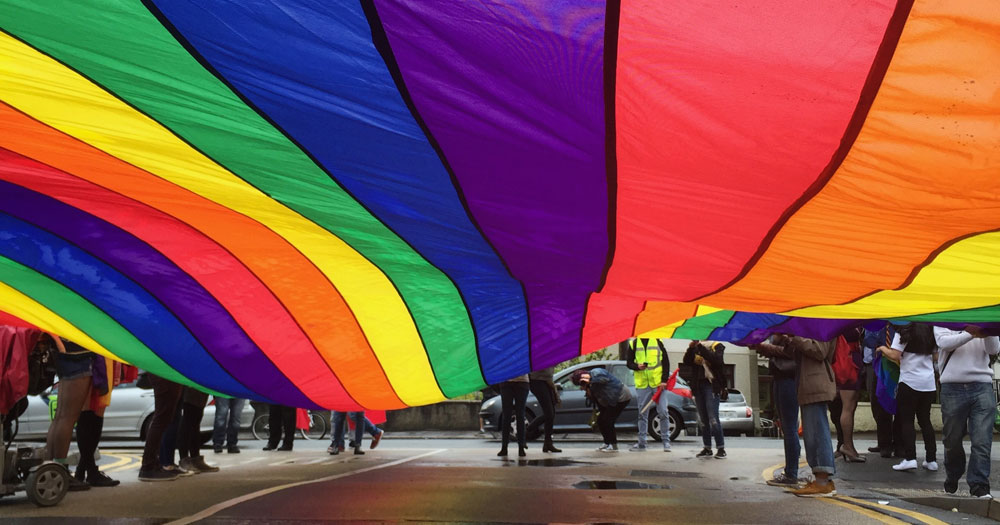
(573, 414)
(735, 415)
(128, 416)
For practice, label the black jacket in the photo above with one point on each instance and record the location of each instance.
(715, 362)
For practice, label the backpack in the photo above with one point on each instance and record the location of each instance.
(844, 369)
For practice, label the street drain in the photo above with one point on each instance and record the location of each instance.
(616, 485)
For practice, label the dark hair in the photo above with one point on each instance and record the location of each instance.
(918, 338)
(577, 376)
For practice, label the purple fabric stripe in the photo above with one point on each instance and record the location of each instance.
(513, 94)
(207, 320)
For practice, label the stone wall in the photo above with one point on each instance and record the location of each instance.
(446, 415)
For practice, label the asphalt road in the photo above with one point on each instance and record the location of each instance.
(462, 481)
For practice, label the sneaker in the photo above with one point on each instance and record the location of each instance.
(333, 451)
(358, 451)
(815, 490)
(101, 479)
(781, 480)
(375, 439)
(705, 453)
(951, 487)
(233, 450)
(76, 485)
(720, 454)
(180, 471)
(159, 474)
(985, 496)
(667, 449)
(638, 447)
(608, 448)
(906, 464)
(199, 463)
(931, 465)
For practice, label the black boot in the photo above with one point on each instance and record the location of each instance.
(549, 447)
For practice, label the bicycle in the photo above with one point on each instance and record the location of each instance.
(319, 427)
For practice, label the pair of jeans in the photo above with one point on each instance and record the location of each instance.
(816, 435)
(910, 403)
(166, 396)
(972, 407)
(339, 424)
(645, 395)
(280, 420)
(226, 428)
(547, 402)
(786, 400)
(707, 402)
(606, 421)
(513, 395)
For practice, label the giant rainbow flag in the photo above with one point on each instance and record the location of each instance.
(384, 203)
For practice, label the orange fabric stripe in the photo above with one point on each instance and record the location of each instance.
(922, 172)
(658, 314)
(308, 295)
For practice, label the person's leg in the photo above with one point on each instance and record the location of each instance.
(194, 410)
(643, 396)
(520, 399)
(87, 436)
(663, 409)
(169, 444)
(359, 430)
(613, 413)
(288, 427)
(543, 394)
(233, 423)
(219, 426)
(606, 423)
(70, 400)
(701, 403)
(883, 419)
(787, 402)
(274, 413)
(816, 435)
(714, 422)
(924, 401)
(836, 408)
(849, 398)
(338, 432)
(955, 409)
(507, 410)
(166, 395)
(981, 416)
(906, 409)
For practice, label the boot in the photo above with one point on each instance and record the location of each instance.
(549, 447)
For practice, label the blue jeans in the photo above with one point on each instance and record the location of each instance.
(816, 434)
(972, 406)
(786, 399)
(227, 421)
(644, 395)
(338, 427)
(708, 415)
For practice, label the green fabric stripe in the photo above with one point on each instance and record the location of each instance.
(701, 327)
(124, 48)
(88, 318)
(985, 314)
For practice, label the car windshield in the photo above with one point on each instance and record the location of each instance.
(735, 396)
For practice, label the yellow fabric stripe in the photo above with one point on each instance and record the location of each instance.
(59, 97)
(965, 275)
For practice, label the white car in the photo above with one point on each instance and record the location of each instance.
(128, 416)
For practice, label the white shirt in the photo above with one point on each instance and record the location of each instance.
(966, 359)
(915, 370)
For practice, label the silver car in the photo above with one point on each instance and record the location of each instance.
(128, 416)
(573, 413)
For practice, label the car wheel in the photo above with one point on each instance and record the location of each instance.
(674, 425)
(144, 429)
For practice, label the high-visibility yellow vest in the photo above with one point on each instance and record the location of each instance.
(651, 355)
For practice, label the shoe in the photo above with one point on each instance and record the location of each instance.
(183, 473)
(608, 448)
(906, 464)
(985, 496)
(522, 451)
(285, 448)
(333, 451)
(358, 451)
(352, 444)
(705, 453)
(549, 447)
(100, 479)
(375, 439)
(875, 450)
(199, 463)
(217, 450)
(667, 449)
(233, 450)
(158, 474)
(503, 452)
(76, 485)
(951, 487)
(781, 480)
(851, 458)
(720, 454)
(638, 447)
(931, 465)
(815, 490)
(885, 454)
(271, 447)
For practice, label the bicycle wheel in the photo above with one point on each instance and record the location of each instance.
(317, 427)
(260, 427)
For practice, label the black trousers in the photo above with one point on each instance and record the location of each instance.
(189, 433)
(910, 403)
(513, 396)
(883, 419)
(547, 402)
(606, 421)
(280, 419)
(166, 395)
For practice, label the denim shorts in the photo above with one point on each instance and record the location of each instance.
(72, 366)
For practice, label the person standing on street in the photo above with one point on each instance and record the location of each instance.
(709, 387)
(339, 422)
(785, 373)
(968, 404)
(541, 384)
(815, 389)
(610, 396)
(883, 417)
(651, 368)
(226, 429)
(280, 421)
(513, 396)
(166, 397)
(913, 348)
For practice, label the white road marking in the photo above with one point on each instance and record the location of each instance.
(315, 461)
(253, 495)
(251, 460)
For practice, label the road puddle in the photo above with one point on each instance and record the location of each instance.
(617, 485)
